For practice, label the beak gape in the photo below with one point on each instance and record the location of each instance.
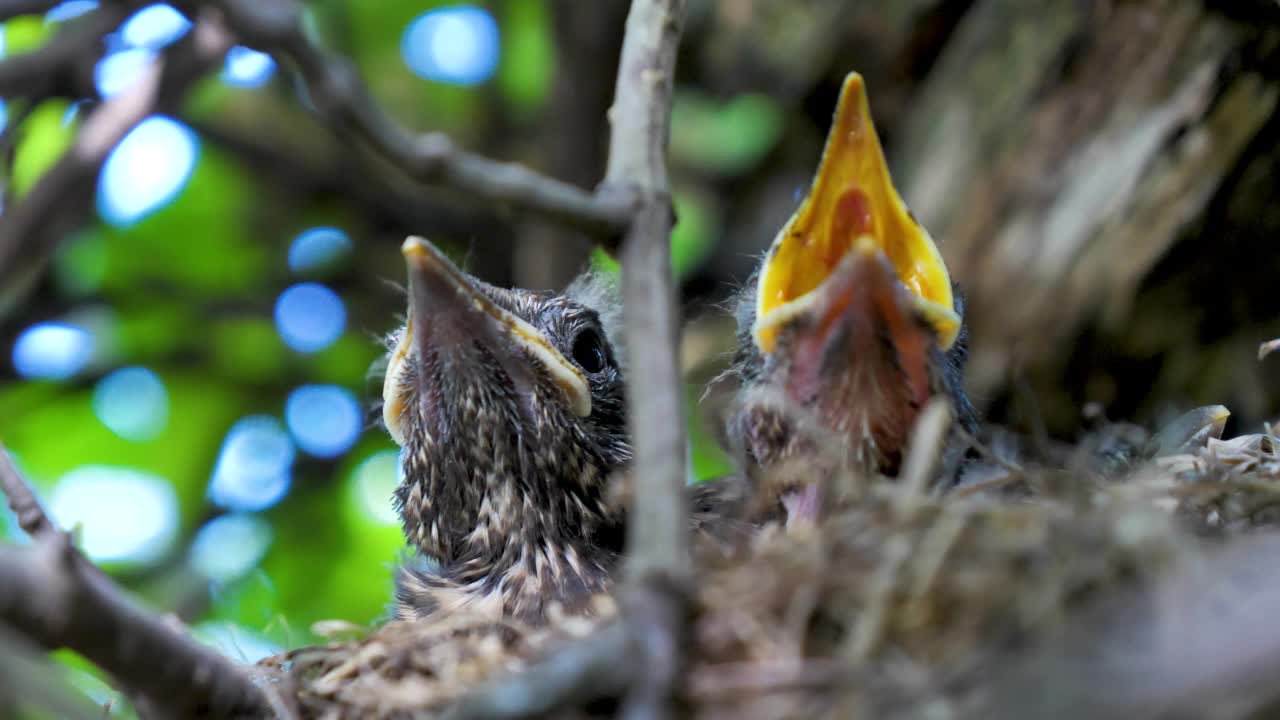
(852, 204)
(449, 312)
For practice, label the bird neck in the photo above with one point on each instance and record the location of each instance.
(516, 533)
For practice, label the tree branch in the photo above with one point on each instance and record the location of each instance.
(637, 170)
(338, 95)
(22, 501)
(54, 595)
(659, 569)
(62, 198)
(51, 593)
(64, 65)
(327, 170)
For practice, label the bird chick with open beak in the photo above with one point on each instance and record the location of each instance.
(509, 407)
(850, 326)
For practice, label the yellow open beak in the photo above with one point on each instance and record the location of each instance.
(446, 306)
(852, 199)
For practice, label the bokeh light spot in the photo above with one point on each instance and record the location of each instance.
(154, 26)
(457, 44)
(68, 10)
(116, 72)
(52, 351)
(318, 249)
(227, 547)
(146, 170)
(125, 515)
(324, 419)
(375, 480)
(132, 403)
(254, 467)
(247, 68)
(310, 317)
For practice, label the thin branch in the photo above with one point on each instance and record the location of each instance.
(326, 169)
(60, 201)
(50, 593)
(30, 680)
(641, 112)
(22, 501)
(64, 65)
(658, 562)
(640, 654)
(637, 168)
(339, 95)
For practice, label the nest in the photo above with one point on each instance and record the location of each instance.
(900, 604)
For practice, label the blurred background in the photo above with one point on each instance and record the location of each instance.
(189, 380)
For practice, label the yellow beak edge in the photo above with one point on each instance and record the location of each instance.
(852, 198)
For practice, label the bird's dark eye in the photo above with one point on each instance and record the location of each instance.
(589, 352)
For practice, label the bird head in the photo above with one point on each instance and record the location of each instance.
(854, 320)
(509, 407)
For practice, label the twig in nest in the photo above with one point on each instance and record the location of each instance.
(582, 671)
(922, 460)
(733, 680)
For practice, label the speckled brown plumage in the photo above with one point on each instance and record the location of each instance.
(505, 493)
(850, 326)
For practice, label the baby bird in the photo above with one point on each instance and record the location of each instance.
(509, 407)
(849, 327)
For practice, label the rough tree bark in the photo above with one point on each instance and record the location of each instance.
(1059, 150)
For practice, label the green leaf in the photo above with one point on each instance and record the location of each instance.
(61, 432)
(199, 242)
(708, 459)
(247, 349)
(693, 238)
(347, 359)
(80, 266)
(528, 58)
(725, 137)
(26, 33)
(44, 139)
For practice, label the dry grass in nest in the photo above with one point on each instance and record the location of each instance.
(900, 604)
